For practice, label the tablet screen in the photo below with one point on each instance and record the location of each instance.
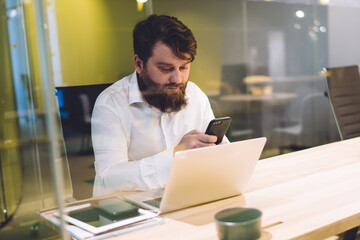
(102, 212)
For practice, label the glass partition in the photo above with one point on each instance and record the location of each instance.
(34, 174)
(259, 61)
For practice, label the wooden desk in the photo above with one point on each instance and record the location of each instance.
(310, 194)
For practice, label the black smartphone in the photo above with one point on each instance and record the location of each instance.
(218, 127)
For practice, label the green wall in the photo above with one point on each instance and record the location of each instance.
(95, 38)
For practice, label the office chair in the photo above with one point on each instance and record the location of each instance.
(343, 90)
(75, 105)
(86, 109)
(313, 128)
(232, 78)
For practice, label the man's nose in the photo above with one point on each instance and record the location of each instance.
(175, 77)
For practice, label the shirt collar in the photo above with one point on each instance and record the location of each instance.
(134, 91)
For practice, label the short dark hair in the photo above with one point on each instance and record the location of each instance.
(169, 30)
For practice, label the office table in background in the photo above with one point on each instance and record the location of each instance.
(257, 112)
(246, 103)
(309, 194)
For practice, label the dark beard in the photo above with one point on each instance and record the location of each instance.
(159, 97)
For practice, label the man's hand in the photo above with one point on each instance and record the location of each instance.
(195, 139)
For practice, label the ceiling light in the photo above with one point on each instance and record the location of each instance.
(300, 14)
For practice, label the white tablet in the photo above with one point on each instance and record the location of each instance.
(98, 216)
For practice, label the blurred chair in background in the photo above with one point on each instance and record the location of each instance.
(232, 78)
(232, 83)
(313, 129)
(86, 110)
(75, 108)
(343, 90)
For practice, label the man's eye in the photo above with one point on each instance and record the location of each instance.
(165, 69)
(184, 67)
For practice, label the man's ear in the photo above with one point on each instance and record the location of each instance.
(139, 64)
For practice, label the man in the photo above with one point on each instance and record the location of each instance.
(139, 122)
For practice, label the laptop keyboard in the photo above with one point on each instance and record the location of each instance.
(154, 202)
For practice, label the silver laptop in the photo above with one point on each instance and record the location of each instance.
(203, 175)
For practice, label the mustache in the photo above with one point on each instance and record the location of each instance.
(163, 90)
(179, 85)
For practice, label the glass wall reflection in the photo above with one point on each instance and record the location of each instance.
(27, 161)
(261, 64)
(258, 61)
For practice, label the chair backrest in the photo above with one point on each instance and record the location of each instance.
(76, 102)
(316, 119)
(75, 107)
(232, 78)
(343, 89)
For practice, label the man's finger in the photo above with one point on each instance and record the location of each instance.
(208, 138)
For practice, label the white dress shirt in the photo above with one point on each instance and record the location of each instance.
(133, 142)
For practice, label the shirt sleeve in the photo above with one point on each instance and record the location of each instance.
(114, 170)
